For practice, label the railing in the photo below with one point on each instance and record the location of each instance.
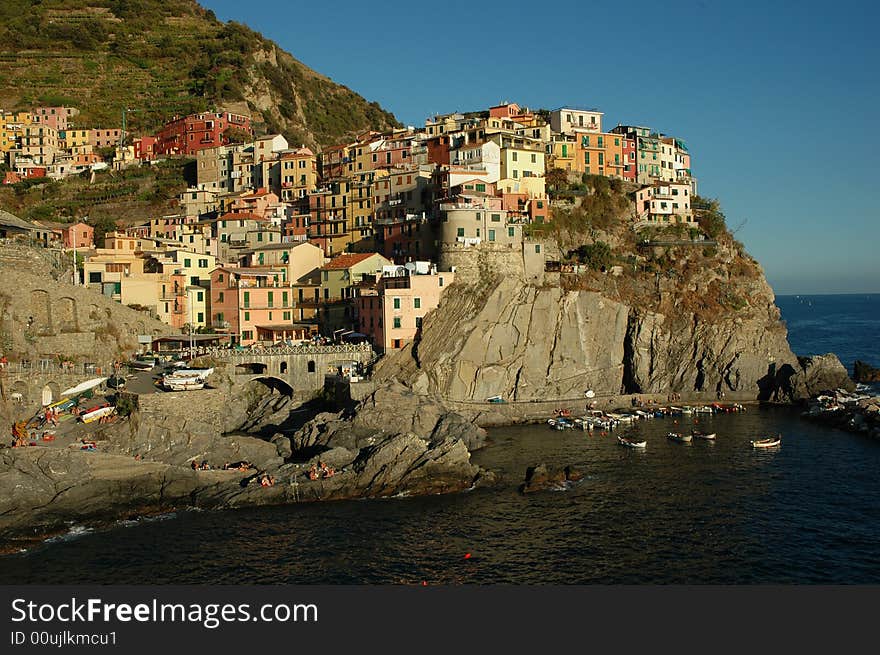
(300, 349)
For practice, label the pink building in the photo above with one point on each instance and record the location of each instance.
(253, 304)
(55, 117)
(79, 235)
(392, 315)
(105, 137)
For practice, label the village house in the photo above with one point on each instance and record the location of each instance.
(665, 202)
(391, 314)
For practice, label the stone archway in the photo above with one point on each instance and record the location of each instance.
(20, 391)
(40, 320)
(50, 394)
(66, 315)
(282, 368)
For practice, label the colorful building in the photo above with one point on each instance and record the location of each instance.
(392, 314)
(188, 134)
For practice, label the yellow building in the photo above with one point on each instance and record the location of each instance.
(73, 138)
(298, 172)
(12, 124)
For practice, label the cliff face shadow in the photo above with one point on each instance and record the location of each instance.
(777, 384)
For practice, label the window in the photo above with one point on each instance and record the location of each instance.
(203, 263)
(587, 158)
(496, 218)
(481, 187)
(247, 298)
(491, 235)
(397, 321)
(247, 316)
(200, 317)
(417, 303)
(311, 366)
(285, 316)
(534, 158)
(284, 299)
(617, 142)
(271, 299)
(396, 303)
(95, 277)
(220, 297)
(459, 232)
(200, 297)
(538, 249)
(247, 335)
(220, 278)
(601, 141)
(514, 155)
(441, 281)
(418, 322)
(511, 232)
(601, 159)
(187, 263)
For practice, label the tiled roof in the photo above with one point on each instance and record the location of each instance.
(347, 261)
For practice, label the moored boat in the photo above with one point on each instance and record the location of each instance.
(769, 442)
(702, 435)
(677, 436)
(631, 443)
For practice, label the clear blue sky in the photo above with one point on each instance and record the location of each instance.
(777, 101)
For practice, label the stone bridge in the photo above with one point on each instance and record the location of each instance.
(302, 368)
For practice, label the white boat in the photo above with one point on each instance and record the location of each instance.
(703, 435)
(677, 436)
(95, 414)
(188, 384)
(142, 364)
(631, 443)
(770, 442)
(187, 379)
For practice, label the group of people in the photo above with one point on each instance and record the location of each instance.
(321, 470)
(201, 466)
(267, 480)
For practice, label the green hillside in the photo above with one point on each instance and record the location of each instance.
(166, 57)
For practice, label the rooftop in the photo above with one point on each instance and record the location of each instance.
(347, 261)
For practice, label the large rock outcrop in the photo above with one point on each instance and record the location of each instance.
(532, 343)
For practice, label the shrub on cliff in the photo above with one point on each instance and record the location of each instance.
(709, 215)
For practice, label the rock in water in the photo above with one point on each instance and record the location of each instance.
(820, 373)
(542, 478)
(864, 372)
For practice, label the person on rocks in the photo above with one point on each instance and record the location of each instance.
(267, 480)
(313, 472)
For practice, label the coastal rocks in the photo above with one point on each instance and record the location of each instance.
(544, 478)
(820, 373)
(392, 409)
(282, 445)
(529, 343)
(864, 372)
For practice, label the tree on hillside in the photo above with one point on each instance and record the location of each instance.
(556, 178)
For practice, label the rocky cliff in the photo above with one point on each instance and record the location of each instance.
(671, 319)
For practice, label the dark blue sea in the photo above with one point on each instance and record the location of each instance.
(720, 512)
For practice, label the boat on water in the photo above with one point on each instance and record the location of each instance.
(142, 364)
(631, 443)
(769, 442)
(677, 436)
(702, 435)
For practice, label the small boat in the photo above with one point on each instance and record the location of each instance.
(631, 443)
(96, 413)
(702, 435)
(143, 364)
(677, 436)
(187, 379)
(769, 442)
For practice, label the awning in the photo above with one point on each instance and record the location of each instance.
(82, 387)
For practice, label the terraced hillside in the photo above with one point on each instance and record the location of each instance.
(166, 57)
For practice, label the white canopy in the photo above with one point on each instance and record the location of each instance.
(83, 386)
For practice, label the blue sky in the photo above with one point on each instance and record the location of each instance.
(775, 100)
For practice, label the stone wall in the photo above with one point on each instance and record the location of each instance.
(42, 317)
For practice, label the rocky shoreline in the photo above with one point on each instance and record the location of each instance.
(164, 457)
